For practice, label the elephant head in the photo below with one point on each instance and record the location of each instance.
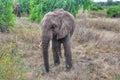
(57, 24)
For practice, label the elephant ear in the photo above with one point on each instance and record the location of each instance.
(64, 29)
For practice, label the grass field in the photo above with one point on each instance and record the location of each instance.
(95, 50)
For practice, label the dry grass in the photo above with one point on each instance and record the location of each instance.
(96, 14)
(93, 49)
(104, 35)
(92, 14)
(83, 35)
(101, 23)
(28, 32)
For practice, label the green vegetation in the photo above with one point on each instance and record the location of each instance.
(114, 10)
(96, 7)
(40, 7)
(109, 3)
(11, 64)
(6, 16)
(118, 77)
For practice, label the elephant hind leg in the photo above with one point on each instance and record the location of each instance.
(56, 53)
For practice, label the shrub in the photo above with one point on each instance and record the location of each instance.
(11, 64)
(41, 7)
(96, 7)
(118, 77)
(114, 10)
(6, 15)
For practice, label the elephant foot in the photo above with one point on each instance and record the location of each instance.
(47, 70)
(68, 68)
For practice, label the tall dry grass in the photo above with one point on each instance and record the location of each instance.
(26, 31)
(100, 32)
(91, 14)
(93, 48)
(101, 23)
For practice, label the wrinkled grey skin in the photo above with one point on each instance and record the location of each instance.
(57, 26)
(17, 10)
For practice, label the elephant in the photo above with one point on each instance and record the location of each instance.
(17, 10)
(57, 26)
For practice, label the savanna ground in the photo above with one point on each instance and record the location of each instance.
(95, 49)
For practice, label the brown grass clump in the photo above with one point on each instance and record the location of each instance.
(101, 23)
(82, 15)
(91, 14)
(83, 35)
(87, 32)
(31, 34)
(26, 31)
(96, 14)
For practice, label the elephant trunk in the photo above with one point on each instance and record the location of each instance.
(45, 43)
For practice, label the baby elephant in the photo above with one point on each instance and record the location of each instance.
(57, 26)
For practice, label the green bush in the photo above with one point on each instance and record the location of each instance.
(6, 15)
(41, 7)
(111, 11)
(96, 7)
(11, 64)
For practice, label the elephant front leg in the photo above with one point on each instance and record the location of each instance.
(56, 51)
(46, 62)
(45, 54)
(67, 50)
